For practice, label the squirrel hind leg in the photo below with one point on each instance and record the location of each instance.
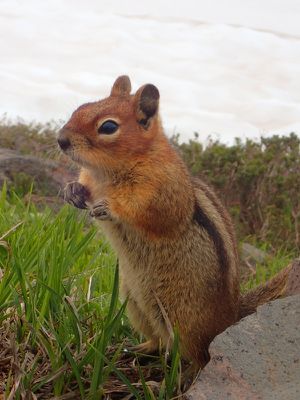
(149, 347)
(195, 351)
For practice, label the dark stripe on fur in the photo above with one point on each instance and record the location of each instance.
(202, 219)
(210, 194)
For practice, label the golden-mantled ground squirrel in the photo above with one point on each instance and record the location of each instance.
(174, 239)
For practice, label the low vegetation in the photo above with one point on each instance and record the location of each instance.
(259, 182)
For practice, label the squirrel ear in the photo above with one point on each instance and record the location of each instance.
(147, 100)
(121, 87)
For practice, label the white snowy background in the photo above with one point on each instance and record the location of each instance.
(223, 68)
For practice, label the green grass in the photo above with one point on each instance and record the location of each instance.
(63, 330)
(62, 327)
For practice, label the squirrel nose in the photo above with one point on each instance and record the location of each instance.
(63, 142)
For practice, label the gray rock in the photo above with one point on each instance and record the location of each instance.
(252, 254)
(49, 177)
(257, 359)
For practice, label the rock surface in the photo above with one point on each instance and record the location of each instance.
(49, 177)
(252, 254)
(257, 359)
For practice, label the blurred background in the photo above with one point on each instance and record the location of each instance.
(225, 69)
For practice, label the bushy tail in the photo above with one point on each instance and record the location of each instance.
(285, 283)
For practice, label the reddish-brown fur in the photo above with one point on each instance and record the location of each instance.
(174, 239)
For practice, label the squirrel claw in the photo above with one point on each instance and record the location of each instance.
(76, 195)
(101, 211)
(149, 347)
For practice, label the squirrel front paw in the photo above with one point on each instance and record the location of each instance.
(101, 211)
(76, 194)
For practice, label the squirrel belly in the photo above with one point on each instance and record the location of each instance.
(175, 241)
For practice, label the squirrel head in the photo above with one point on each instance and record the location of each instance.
(118, 129)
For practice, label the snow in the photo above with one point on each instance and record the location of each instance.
(223, 68)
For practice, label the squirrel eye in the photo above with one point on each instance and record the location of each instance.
(108, 127)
